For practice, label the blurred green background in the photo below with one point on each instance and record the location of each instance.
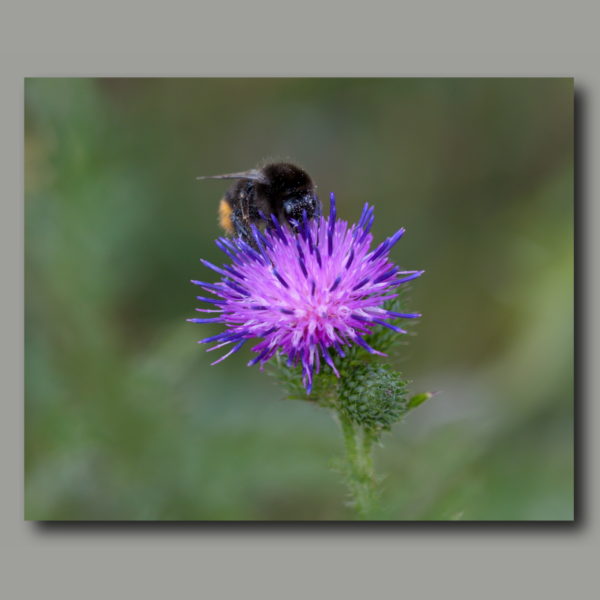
(125, 419)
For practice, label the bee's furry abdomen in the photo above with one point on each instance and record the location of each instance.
(225, 212)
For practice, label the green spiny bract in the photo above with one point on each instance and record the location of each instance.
(373, 396)
(325, 384)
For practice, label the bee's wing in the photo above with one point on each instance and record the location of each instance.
(254, 175)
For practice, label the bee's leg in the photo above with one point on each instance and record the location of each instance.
(242, 229)
(245, 201)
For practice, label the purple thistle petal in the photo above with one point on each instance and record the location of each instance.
(318, 255)
(386, 275)
(307, 230)
(396, 237)
(405, 279)
(268, 356)
(328, 360)
(389, 326)
(225, 242)
(361, 318)
(332, 211)
(215, 320)
(332, 214)
(227, 251)
(211, 266)
(279, 230)
(222, 337)
(379, 251)
(299, 248)
(211, 300)
(217, 292)
(301, 259)
(233, 272)
(361, 284)
(236, 288)
(337, 346)
(335, 283)
(298, 227)
(350, 259)
(232, 351)
(363, 216)
(387, 245)
(257, 236)
(219, 346)
(366, 346)
(249, 251)
(212, 286)
(259, 357)
(280, 278)
(264, 240)
(305, 223)
(303, 267)
(366, 229)
(291, 357)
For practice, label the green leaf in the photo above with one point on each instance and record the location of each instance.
(418, 399)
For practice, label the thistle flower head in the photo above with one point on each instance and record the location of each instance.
(305, 292)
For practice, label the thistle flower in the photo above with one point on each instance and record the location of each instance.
(305, 291)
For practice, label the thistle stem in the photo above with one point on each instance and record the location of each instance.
(361, 479)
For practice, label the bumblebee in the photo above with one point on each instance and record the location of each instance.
(281, 189)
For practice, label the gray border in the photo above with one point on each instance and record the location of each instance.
(511, 38)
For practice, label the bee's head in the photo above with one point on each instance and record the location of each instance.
(295, 206)
(290, 191)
